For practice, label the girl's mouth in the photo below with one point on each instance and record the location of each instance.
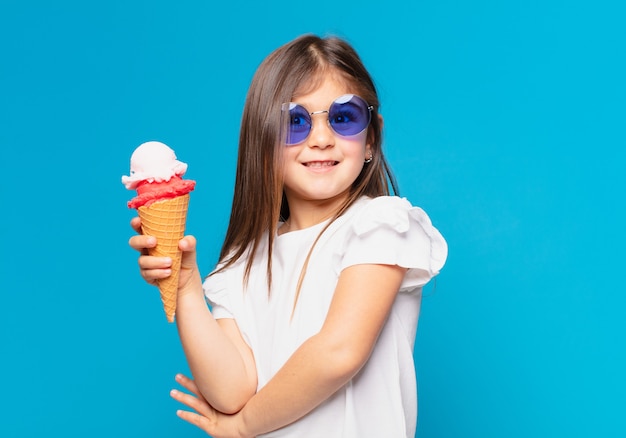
(320, 164)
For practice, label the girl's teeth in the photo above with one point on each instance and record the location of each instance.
(321, 164)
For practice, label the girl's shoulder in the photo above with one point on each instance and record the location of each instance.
(387, 211)
(384, 202)
(390, 230)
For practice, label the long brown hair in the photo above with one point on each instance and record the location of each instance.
(258, 201)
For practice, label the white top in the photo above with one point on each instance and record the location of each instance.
(381, 400)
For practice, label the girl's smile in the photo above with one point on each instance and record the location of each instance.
(320, 165)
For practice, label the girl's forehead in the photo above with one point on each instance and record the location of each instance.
(319, 78)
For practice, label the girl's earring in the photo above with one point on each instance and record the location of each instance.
(369, 160)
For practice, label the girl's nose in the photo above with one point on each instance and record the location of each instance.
(321, 136)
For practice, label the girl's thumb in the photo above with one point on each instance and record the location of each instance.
(188, 246)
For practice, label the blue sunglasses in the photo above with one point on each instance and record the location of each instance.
(348, 115)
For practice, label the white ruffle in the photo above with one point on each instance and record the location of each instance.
(215, 289)
(389, 230)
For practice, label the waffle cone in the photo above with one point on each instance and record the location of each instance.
(165, 220)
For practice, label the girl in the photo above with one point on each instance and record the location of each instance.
(316, 296)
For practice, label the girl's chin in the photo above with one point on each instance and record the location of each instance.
(317, 196)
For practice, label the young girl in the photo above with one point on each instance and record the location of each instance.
(316, 296)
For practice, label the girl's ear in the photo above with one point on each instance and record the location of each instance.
(370, 136)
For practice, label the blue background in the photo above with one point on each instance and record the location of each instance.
(504, 120)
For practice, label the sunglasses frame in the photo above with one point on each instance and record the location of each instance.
(285, 108)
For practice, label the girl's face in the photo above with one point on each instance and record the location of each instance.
(321, 170)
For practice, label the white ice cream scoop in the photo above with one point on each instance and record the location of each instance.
(153, 161)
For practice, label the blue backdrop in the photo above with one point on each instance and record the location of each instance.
(504, 120)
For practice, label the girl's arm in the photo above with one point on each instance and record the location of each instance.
(329, 359)
(220, 361)
(322, 364)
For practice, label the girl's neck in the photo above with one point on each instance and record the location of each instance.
(307, 214)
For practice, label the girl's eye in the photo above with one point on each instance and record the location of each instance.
(297, 120)
(343, 116)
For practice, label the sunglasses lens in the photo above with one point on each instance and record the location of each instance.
(349, 115)
(299, 124)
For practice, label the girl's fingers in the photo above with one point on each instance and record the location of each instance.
(154, 275)
(188, 384)
(142, 242)
(195, 403)
(136, 224)
(151, 262)
(153, 269)
(197, 420)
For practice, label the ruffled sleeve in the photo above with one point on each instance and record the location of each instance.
(389, 230)
(216, 292)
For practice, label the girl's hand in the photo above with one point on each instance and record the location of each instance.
(153, 268)
(213, 422)
(150, 268)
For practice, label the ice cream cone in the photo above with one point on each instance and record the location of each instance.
(162, 200)
(165, 220)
